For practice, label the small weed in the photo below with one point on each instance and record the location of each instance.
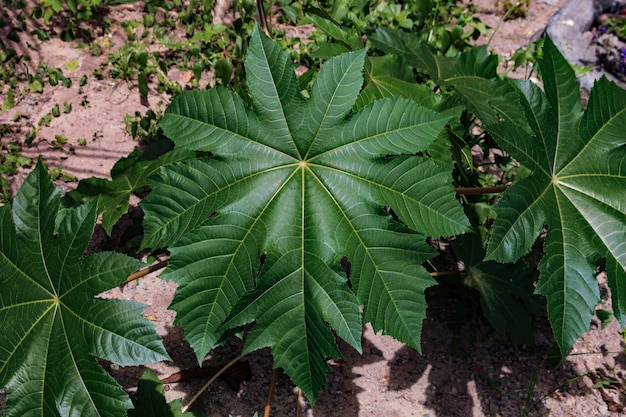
(616, 26)
(59, 174)
(56, 111)
(145, 127)
(513, 9)
(30, 137)
(35, 85)
(71, 65)
(45, 120)
(10, 161)
(60, 139)
(9, 100)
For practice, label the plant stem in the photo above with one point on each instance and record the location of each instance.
(263, 17)
(502, 19)
(298, 402)
(480, 190)
(444, 273)
(210, 381)
(270, 394)
(145, 271)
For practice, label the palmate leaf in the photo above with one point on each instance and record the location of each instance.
(506, 290)
(577, 189)
(50, 323)
(258, 232)
(128, 175)
(472, 75)
(388, 77)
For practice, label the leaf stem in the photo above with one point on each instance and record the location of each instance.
(529, 405)
(270, 394)
(502, 19)
(444, 273)
(145, 271)
(480, 190)
(263, 17)
(298, 402)
(210, 381)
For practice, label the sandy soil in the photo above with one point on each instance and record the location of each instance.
(466, 369)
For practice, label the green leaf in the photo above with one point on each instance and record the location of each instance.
(258, 232)
(472, 75)
(50, 322)
(387, 76)
(129, 175)
(9, 101)
(578, 159)
(150, 400)
(506, 290)
(142, 83)
(35, 85)
(348, 40)
(605, 317)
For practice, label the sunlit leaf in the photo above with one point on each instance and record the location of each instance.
(257, 233)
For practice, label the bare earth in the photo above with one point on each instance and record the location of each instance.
(465, 369)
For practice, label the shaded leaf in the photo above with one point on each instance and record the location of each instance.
(346, 39)
(472, 75)
(235, 375)
(605, 317)
(129, 175)
(506, 290)
(150, 400)
(387, 77)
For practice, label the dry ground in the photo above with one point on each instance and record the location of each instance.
(465, 368)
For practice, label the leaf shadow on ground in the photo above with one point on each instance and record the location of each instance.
(467, 368)
(220, 399)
